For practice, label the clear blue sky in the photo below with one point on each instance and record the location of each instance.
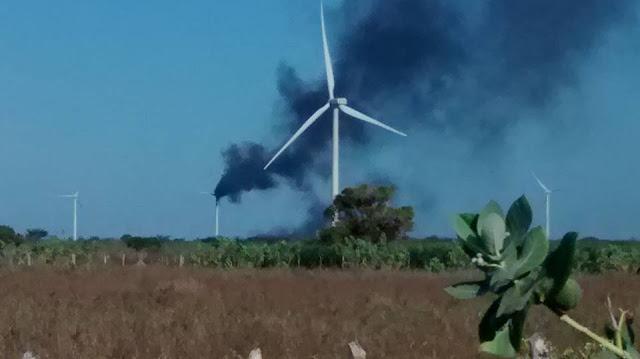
(131, 102)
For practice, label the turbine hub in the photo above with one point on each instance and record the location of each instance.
(338, 101)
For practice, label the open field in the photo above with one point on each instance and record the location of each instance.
(164, 312)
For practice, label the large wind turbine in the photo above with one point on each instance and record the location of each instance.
(75, 197)
(547, 193)
(217, 211)
(337, 105)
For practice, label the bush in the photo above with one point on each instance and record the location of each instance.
(142, 243)
(9, 236)
(364, 212)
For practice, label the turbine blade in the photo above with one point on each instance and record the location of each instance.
(331, 82)
(302, 128)
(361, 116)
(544, 188)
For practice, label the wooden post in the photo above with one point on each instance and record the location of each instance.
(124, 259)
(104, 259)
(28, 259)
(181, 264)
(73, 259)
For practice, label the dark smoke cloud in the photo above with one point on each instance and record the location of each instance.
(538, 44)
(243, 171)
(405, 59)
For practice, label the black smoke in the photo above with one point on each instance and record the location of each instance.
(405, 59)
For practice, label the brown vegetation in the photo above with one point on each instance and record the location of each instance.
(160, 312)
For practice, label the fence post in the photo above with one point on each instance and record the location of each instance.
(28, 259)
(104, 259)
(124, 259)
(73, 259)
(181, 261)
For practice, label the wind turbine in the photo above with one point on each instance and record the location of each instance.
(547, 193)
(337, 105)
(75, 197)
(217, 211)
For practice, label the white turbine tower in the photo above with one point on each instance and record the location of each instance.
(217, 211)
(337, 105)
(547, 193)
(75, 197)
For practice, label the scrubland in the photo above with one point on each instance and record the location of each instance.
(167, 312)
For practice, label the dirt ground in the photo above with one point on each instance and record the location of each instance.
(161, 312)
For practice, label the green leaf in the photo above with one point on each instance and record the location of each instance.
(559, 263)
(506, 273)
(462, 227)
(515, 298)
(491, 323)
(501, 335)
(492, 207)
(534, 251)
(500, 345)
(467, 290)
(492, 230)
(517, 328)
(470, 218)
(519, 217)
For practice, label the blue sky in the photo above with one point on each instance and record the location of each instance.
(131, 104)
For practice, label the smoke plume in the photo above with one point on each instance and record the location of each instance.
(429, 65)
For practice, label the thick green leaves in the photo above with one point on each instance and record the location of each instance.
(517, 297)
(500, 345)
(492, 207)
(467, 290)
(519, 217)
(517, 327)
(463, 224)
(559, 263)
(534, 251)
(506, 273)
(462, 227)
(495, 333)
(492, 230)
(471, 219)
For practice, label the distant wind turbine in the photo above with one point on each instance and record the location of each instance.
(217, 211)
(547, 193)
(337, 105)
(75, 197)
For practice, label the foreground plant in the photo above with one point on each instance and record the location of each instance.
(521, 271)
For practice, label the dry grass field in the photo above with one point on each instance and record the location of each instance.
(160, 312)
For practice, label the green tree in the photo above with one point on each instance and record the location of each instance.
(35, 234)
(9, 235)
(365, 212)
(142, 243)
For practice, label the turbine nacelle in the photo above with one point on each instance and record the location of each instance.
(337, 105)
(336, 102)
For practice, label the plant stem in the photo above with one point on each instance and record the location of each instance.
(602, 341)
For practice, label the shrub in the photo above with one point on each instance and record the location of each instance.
(365, 212)
(521, 271)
